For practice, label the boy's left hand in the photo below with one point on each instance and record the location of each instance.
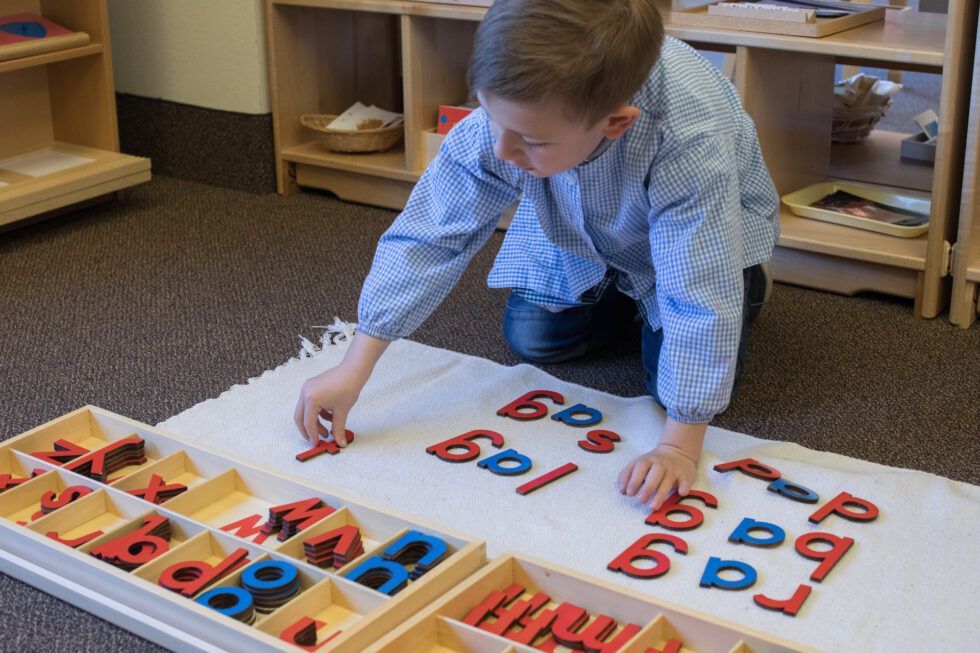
(652, 476)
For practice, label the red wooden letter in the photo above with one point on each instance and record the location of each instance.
(97, 459)
(246, 527)
(75, 543)
(544, 479)
(490, 604)
(671, 646)
(339, 544)
(158, 490)
(51, 502)
(191, 576)
(661, 516)
(290, 518)
(136, 548)
(324, 446)
(465, 441)
(639, 549)
(839, 546)
(599, 441)
(751, 467)
(303, 634)
(839, 505)
(64, 451)
(525, 408)
(788, 606)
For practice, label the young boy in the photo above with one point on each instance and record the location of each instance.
(643, 187)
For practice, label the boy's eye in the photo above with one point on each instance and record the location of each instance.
(531, 144)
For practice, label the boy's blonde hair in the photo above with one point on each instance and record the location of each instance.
(589, 55)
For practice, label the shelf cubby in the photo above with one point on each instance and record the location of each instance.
(328, 57)
(63, 101)
(785, 84)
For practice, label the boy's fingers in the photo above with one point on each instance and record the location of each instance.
(623, 478)
(338, 427)
(298, 416)
(683, 486)
(640, 470)
(654, 476)
(663, 492)
(311, 421)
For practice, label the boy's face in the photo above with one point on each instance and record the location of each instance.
(541, 140)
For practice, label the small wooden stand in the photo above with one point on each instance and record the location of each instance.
(758, 19)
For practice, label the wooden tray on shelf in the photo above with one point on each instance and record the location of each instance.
(699, 17)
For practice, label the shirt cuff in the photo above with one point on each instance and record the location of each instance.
(690, 418)
(380, 334)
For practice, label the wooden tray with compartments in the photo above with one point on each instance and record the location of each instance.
(635, 623)
(703, 18)
(220, 491)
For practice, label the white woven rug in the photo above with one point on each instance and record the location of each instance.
(908, 583)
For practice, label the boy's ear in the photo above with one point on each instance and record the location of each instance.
(621, 119)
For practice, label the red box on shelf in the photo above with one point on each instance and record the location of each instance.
(449, 116)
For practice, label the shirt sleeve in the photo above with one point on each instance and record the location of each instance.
(450, 214)
(696, 247)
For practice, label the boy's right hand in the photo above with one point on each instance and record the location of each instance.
(330, 395)
(333, 393)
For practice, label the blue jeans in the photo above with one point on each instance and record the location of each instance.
(540, 336)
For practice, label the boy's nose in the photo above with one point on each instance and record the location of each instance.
(505, 148)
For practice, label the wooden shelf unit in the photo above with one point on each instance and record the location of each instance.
(964, 304)
(785, 83)
(64, 101)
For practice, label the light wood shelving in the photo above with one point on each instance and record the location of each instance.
(966, 263)
(419, 61)
(63, 101)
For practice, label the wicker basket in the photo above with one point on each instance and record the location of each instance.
(855, 125)
(359, 140)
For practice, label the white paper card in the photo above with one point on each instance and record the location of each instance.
(929, 122)
(358, 113)
(43, 162)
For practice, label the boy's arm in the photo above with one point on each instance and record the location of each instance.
(335, 391)
(696, 245)
(450, 214)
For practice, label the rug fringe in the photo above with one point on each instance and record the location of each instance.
(339, 331)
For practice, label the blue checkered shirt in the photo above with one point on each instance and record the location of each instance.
(676, 208)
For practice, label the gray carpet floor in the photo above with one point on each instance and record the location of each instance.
(169, 295)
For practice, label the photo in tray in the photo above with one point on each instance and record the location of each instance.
(849, 204)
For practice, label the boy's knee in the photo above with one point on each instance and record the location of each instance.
(535, 347)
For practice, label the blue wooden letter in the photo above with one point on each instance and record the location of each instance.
(568, 416)
(712, 578)
(793, 491)
(493, 463)
(743, 533)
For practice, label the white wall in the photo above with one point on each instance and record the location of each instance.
(206, 53)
